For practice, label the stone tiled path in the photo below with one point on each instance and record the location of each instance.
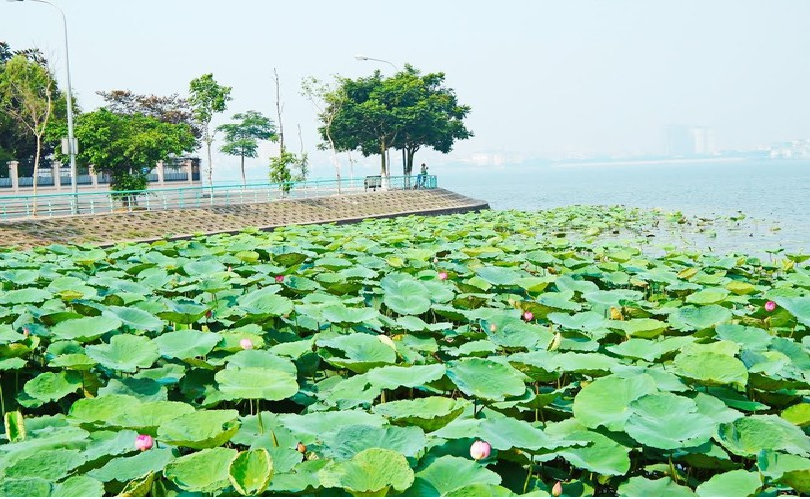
(148, 226)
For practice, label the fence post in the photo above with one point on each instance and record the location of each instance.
(56, 174)
(93, 177)
(13, 173)
(187, 166)
(159, 168)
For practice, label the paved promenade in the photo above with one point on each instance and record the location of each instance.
(153, 225)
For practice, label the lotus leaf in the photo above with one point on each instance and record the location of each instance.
(485, 379)
(86, 328)
(713, 369)
(668, 421)
(123, 469)
(606, 401)
(53, 386)
(429, 413)
(644, 487)
(205, 471)
(736, 483)
(371, 472)
(201, 429)
(186, 344)
(250, 472)
(448, 474)
(79, 486)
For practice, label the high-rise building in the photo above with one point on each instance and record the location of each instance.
(684, 140)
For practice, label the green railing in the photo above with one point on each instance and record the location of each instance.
(89, 202)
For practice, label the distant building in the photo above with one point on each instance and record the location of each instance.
(690, 141)
(794, 149)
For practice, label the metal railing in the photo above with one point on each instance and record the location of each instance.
(98, 202)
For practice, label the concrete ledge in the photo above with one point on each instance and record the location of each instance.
(147, 226)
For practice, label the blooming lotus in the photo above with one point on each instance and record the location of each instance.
(443, 276)
(556, 490)
(480, 450)
(246, 343)
(144, 442)
(770, 306)
(527, 316)
(279, 278)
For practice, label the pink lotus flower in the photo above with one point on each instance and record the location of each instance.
(279, 278)
(144, 442)
(480, 450)
(230, 269)
(246, 344)
(556, 490)
(770, 306)
(26, 332)
(443, 276)
(527, 316)
(208, 314)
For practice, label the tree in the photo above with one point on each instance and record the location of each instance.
(207, 98)
(328, 102)
(127, 146)
(281, 167)
(167, 109)
(242, 138)
(407, 111)
(26, 95)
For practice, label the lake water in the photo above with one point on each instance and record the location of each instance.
(770, 193)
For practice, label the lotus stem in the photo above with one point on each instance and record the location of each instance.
(529, 473)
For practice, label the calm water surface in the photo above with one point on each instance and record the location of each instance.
(771, 193)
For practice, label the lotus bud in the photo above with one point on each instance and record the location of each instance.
(301, 447)
(208, 314)
(528, 316)
(480, 450)
(279, 278)
(26, 332)
(555, 342)
(144, 442)
(246, 344)
(230, 269)
(387, 341)
(443, 276)
(435, 259)
(770, 306)
(556, 490)
(493, 328)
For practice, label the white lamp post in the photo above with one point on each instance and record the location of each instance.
(361, 57)
(74, 209)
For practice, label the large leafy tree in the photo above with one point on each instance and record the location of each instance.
(165, 108)
(407, 111)
(127, 146)
(242, 137)
(27, 95)
(207, 98)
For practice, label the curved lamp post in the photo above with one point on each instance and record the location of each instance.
(74, 209)
(361, 57)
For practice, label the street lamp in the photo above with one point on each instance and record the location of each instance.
(361, 57)
(74, 209)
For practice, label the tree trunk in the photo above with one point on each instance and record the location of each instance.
(244, 181)
(36, 170)
(278, 110)
(208, 141)
(383, 149)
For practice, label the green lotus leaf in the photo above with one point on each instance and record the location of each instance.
(148, 416)
(644, 487)
(250, 472)
(707, 296)
(600, 455)
(449, 473)
(341, 314)
(25, 487)
(201, 429)
(428, 413)
(265, 360)
(79, 486)
(798, 307)
(123, 469)
(289, 259)
(110, 443)
(798, 414)
(668, 421)
(606, 401)
(48, 386)
(183, 312)
(256, 383)
(699, 318)
(643, 328)
(736, 483)
(486, 379)
(203, 267)
(407, 297)
(649, 350)
(25, 295)
(186, 344)
(265, 302)
(312, 425)
(99, 410)
(749, 435)
(362, 352)
(615, 298)
(86, 328)
(712, 369)
(49, 464)
(125, 352)
(205, 471)
(391, 377)
(511, 332)
(347, 441)
(775, 464)
(134, 318)
(499, 276)
(370, 472)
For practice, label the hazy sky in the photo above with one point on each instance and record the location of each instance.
(545, 78)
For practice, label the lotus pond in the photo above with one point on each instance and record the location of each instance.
(500, 353)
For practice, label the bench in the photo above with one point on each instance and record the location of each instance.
(372, 182)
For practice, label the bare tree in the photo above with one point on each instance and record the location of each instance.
(316, 92)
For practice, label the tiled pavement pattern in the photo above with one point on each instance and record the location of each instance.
(153, 225)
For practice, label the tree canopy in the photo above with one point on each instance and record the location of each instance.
(165, 108)
(242, 138)
(207, 97)
(127, 146)
(407, 111)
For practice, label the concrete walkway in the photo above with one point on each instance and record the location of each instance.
(182, 223)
